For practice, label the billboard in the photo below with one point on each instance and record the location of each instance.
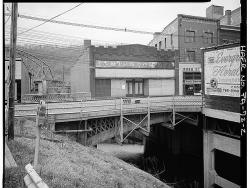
(222, 72)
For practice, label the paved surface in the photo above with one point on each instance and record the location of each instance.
(73, 111)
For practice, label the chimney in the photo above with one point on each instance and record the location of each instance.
(215, 12)
(87, 43)
(228, 16)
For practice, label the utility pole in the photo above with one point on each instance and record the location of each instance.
(12, 64)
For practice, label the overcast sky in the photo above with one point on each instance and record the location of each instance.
(139, 16)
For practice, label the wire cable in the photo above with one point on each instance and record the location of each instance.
(105, 28)
(48, 20)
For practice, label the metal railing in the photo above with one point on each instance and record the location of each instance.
(112, 106)
(55, 97)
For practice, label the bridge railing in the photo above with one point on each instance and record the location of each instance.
(112, 106)
(55, 97)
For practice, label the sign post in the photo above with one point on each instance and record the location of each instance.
(40, 120)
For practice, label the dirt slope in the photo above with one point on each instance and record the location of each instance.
(73, 165)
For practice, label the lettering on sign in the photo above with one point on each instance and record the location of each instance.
(134, 64)
(222, 72)
(192, 69)
(243, 95)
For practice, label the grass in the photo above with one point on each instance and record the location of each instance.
(73, 165)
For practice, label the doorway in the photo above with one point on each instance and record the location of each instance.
(134, 87)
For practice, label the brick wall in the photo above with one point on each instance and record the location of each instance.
(133, 52)
(200, 26)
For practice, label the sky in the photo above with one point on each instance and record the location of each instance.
(152, 17)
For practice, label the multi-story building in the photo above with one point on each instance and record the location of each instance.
(229, 30)
(124, 71)
(190, 33)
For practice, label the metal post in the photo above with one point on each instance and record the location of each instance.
(40, 116)
(85, 133)
(121, 119)
(173, 111)
(37, 142)
(12, 61)
(148, 114)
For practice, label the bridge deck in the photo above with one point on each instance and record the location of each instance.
(73, 111)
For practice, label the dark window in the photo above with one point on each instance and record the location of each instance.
(228, 166)
(190, 55)
(165, 43)
(190, 36)
(208, 37)
(188, 75)
(197, 76)
(159, 45)
(36, 87)
(171, 39)
(156, 45)
(135, 87)
(192, 83)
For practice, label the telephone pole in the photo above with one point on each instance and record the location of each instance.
(12, 64)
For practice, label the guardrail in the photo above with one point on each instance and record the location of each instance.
(112, 107)
(55, 97)
(32, 179)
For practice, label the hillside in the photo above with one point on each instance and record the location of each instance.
(73, 165)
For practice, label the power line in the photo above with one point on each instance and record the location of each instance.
(52, 18)
(104, 27)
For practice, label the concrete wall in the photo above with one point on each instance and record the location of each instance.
(212, 141)
(80, 76)
(118, 88)
(161, 87)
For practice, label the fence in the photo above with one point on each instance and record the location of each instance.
(55, 97)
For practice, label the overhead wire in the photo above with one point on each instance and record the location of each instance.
(48, 20)
(105, 27)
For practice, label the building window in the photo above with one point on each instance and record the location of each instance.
(190, 55)
(165, 43)
(192, 83)
(134, 87)
(171, 39)
(190, 36)
(129, 84)
(159, 45)
(36, 87)
(208, 37)
(156, 45)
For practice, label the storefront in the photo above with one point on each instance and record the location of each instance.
(189, 78)
(133, 79)
(124, 71)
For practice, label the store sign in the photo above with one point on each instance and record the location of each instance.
(134, 64)
(222, 72)
(192, 69)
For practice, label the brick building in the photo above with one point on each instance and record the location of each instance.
(229, 30)
(126, 70)
(190, 33)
